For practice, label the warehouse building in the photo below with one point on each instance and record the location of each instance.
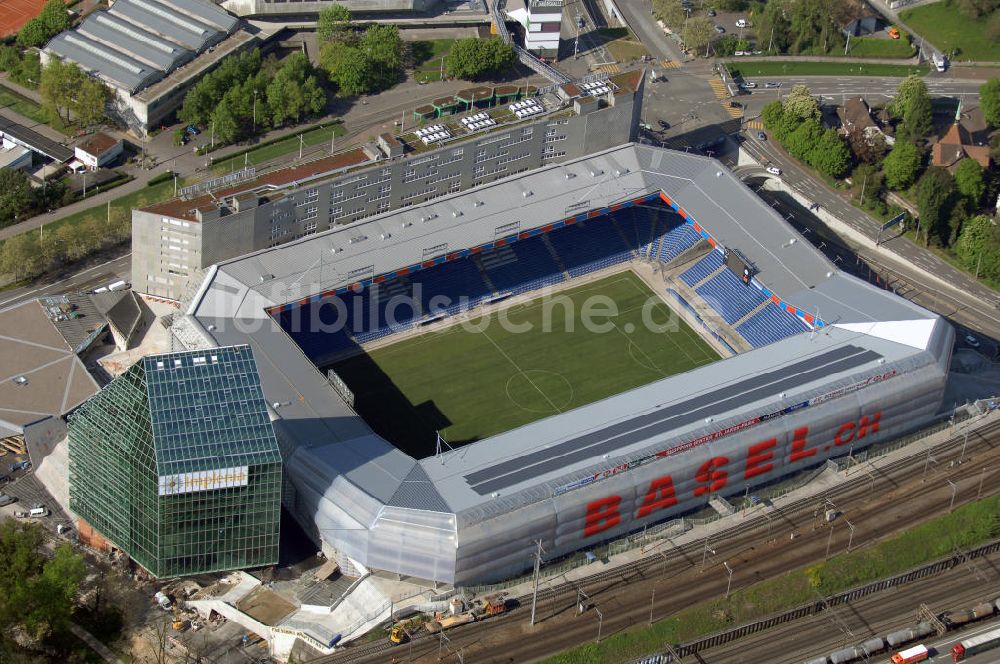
(173, 241)
(175, 463)
(137, 44)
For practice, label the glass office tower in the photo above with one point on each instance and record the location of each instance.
(175, 462)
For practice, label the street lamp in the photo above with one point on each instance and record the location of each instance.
(850, 540)
(704, 554)
(255, 110)
(729, 583)
(954, 489)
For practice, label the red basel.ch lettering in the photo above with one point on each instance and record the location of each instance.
(707, 474)
(659, 495)
(757, 455)
(799, 450)
(849, 431)
(601, 515)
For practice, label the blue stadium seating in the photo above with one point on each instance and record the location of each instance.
(729, 296)
(454, 287)
(706, 266)
(769, 325)
(677, 241)
(585, 248)
(534, 268)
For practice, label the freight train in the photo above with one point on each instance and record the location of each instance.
(893, 640)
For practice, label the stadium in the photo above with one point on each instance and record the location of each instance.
(442, 402)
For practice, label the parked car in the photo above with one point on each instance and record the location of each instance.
(972, 341)
(773, 170)
(772, 84)
(735, 104)
(742, 23)
(711, 12)
(894, 32)
(761, 136)
(20, 465)
(7, 500)
(749, 85)
(191, 129)
(720, 29)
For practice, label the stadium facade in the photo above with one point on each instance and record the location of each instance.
(173, 241)
(833, 365)
(175, 463)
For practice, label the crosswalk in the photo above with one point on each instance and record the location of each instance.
(719, 88)
(609, 68)
(755, 124)
(670, 64)
(732, 110)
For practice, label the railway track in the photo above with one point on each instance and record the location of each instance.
(740, 545)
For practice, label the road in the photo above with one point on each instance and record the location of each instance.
(105, 270)
(639, 16)
(963, 288)
(892, 499)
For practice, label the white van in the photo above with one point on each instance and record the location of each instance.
(38, 511)
(742, 23)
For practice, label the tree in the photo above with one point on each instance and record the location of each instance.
(869, 148)
(21, 257)
(55, 17)
(909, 89)
(203, 98)
(800, 103)
(698, 32)
(934, 193)
(866, 183)
(473, 57)
(976, 8)
(772, 27)
(993, 28)
(901, 165)
(347, 67)
(10, 58)
(989, 100)
(29, 74)
(815, 26)
(333, 24)
(801, 141)
(59, 85)
(90, 101)
(970, 183)
(830, 154)
(383, 48)
(33, 34)
(670, 12)
(918, 116)
(978, 246)
(15, 194)
(294, 90)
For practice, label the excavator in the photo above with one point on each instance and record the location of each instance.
(398, 634)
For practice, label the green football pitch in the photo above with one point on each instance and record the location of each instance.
(532, 360)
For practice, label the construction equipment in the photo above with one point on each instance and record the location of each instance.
(178, 623)
(492, 605)
(398, 634)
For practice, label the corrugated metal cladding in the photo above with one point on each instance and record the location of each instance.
(874, 371)
(136, 43)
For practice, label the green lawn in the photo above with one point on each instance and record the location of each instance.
(474, 380)
(969, 526)
(947, 28)
(28, 108)
(263, 153)
(622, 44)
(875, 47)
(427, 56)
(836, 68)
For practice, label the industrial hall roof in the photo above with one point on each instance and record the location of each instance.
(137, 42)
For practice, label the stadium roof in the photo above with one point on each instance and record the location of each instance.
(136, 42)
(850, 335)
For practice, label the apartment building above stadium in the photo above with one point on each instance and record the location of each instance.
(831, 361)
(455, 143)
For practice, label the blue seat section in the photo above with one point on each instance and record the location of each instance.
(706, 266)
(677, 241)
(729, 296)
(769, 325)
(453, 287)
(586, 248)
(534, 268)
(636, 231)
(380, 311)
(318, 329)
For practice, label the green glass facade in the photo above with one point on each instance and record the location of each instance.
(175, 462)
